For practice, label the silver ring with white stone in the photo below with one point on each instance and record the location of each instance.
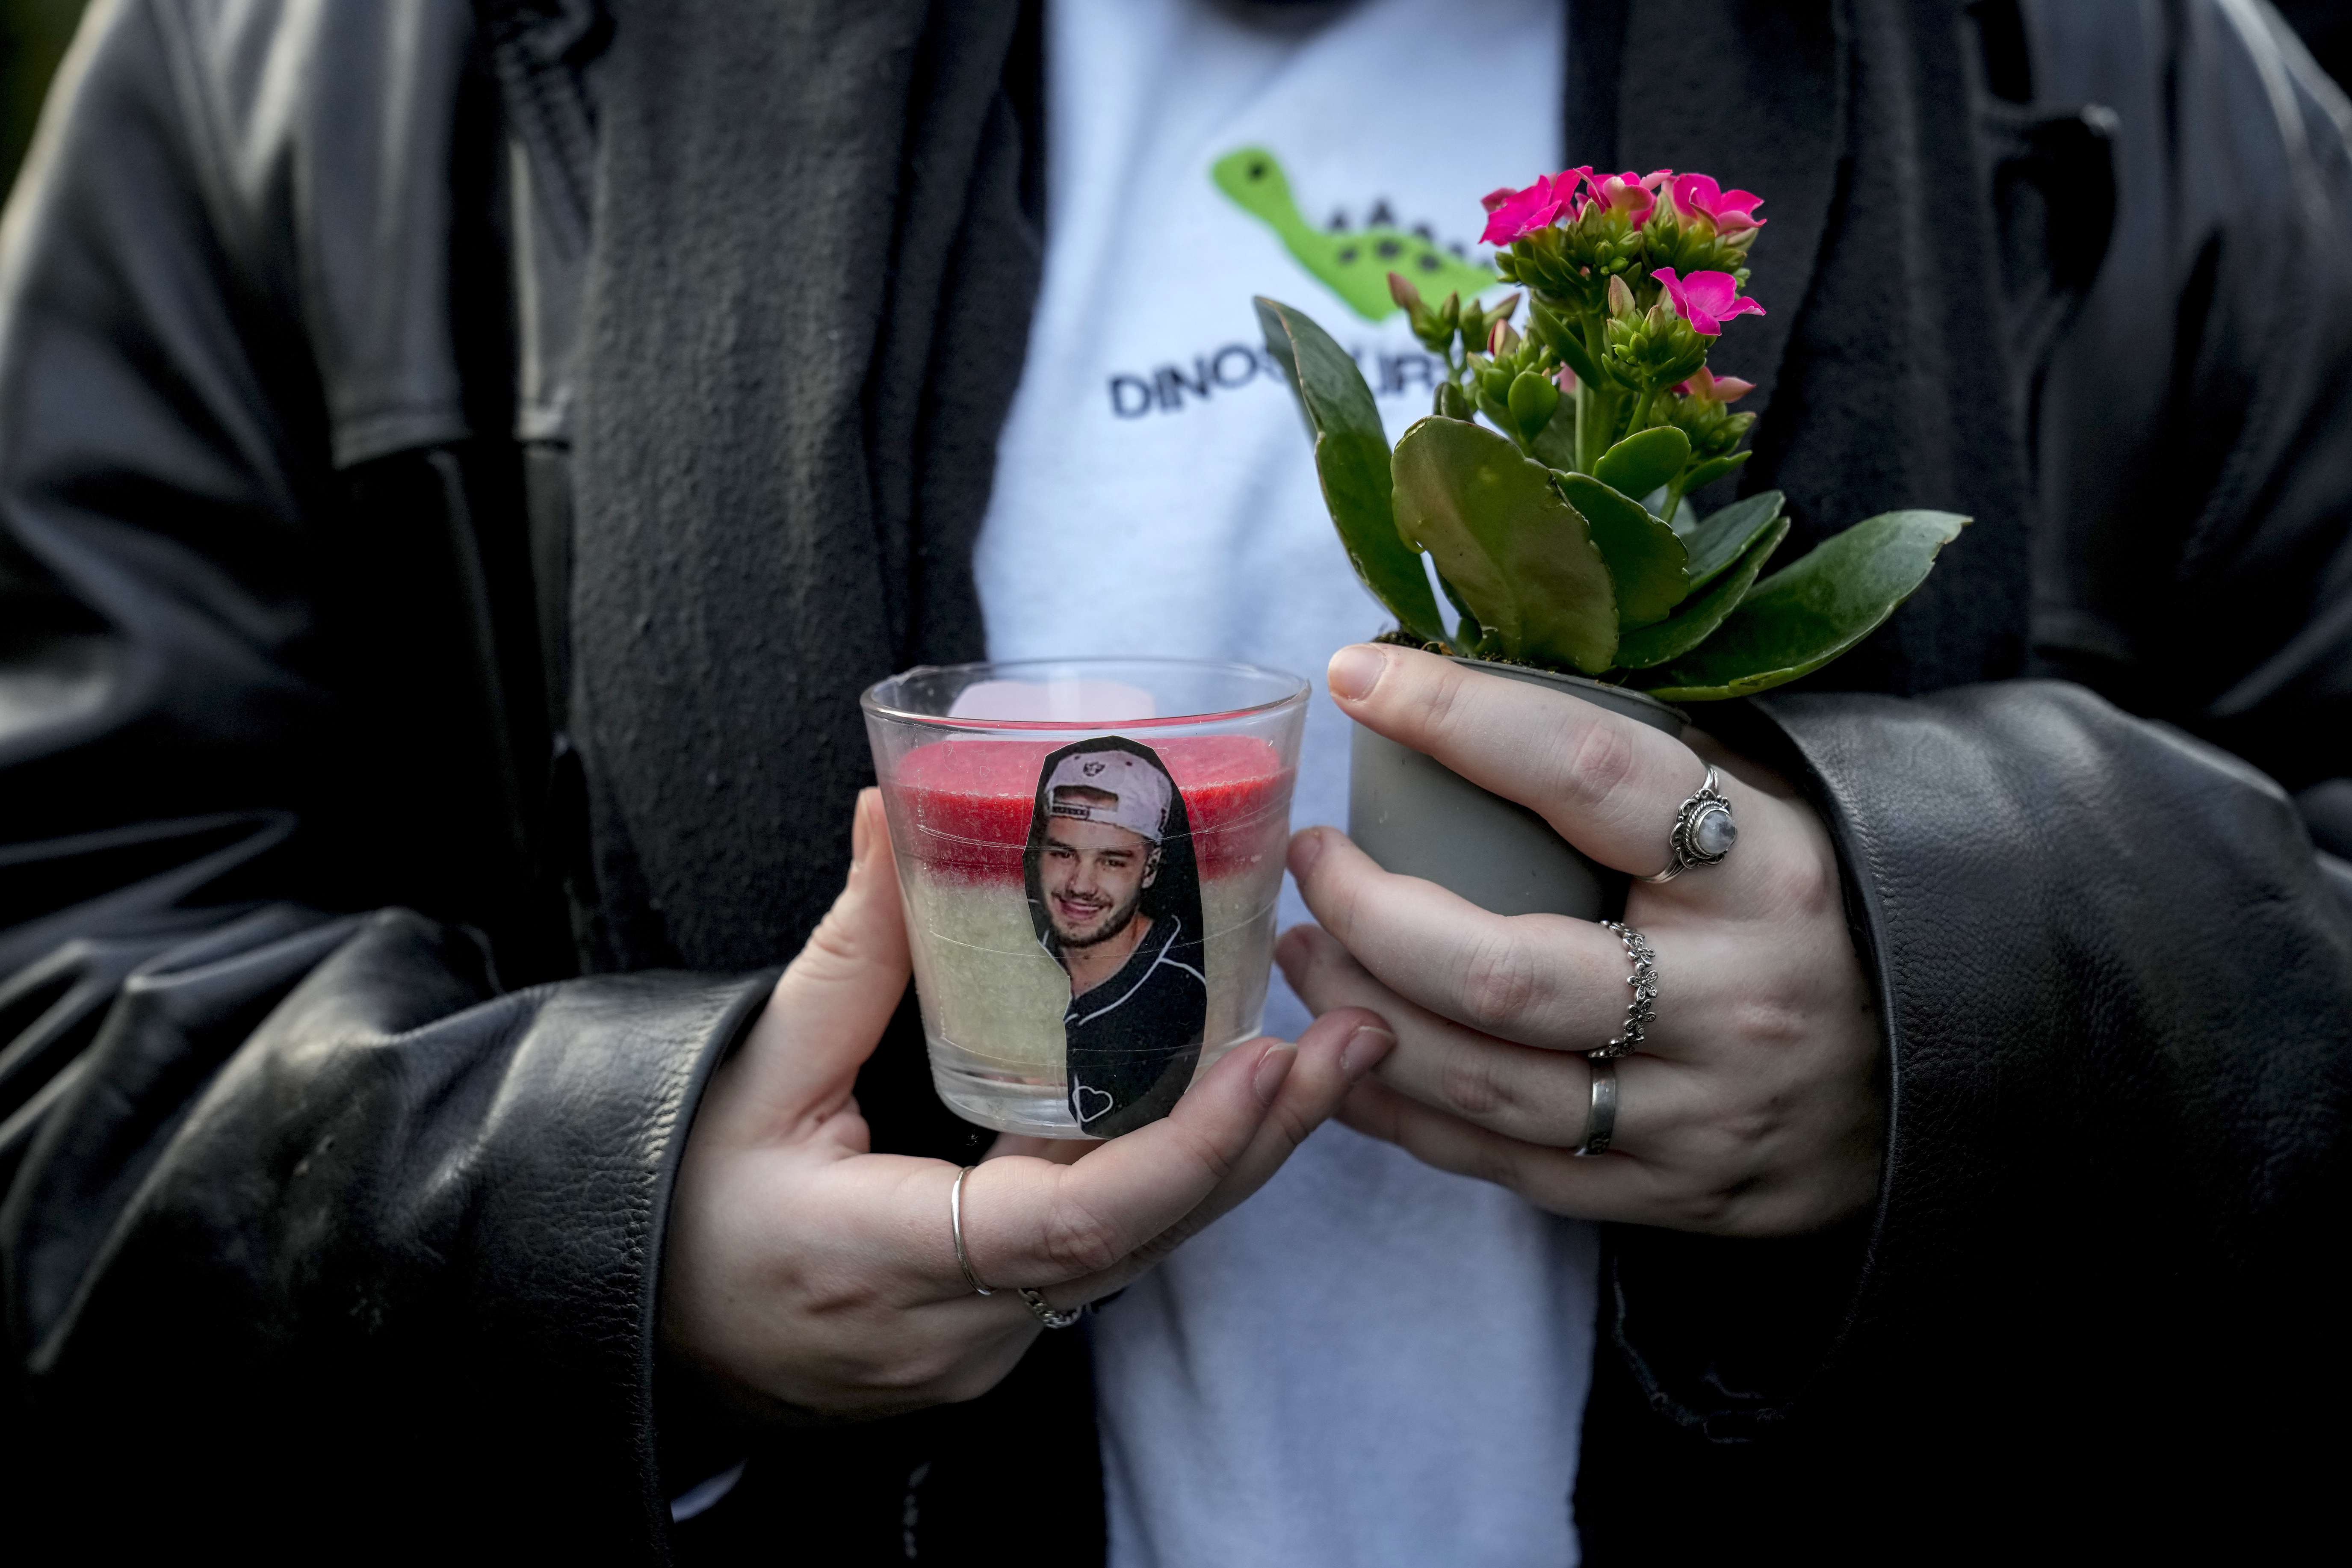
(1704, 832)
(1643, 1010)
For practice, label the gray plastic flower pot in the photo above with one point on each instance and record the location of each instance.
(1417, 817)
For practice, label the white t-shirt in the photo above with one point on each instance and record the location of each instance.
(1372, 1361)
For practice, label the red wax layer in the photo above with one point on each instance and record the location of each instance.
(969, 801)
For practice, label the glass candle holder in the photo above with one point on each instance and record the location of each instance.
(1090, 852)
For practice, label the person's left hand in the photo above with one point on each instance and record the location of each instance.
(1752, 1110)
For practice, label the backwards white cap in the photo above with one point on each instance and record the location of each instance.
(1139, 792)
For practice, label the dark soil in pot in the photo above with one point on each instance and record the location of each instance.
(1417, 817)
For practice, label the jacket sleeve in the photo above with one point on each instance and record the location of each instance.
(302, 1213)
(2112, 968)
(2115, 979)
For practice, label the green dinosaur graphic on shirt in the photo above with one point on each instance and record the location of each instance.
(1353, 264)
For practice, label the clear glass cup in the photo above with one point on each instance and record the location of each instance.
(1090, 852)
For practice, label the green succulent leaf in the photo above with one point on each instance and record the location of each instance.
(1467, 632)
(1644, 461)
(1714, 469)
(1705, 610)
(1351, 457)
(1554, 444)
(1804, 615)
(1560, 338)
(1647, 559)
(1720, 538)
(1518, 557)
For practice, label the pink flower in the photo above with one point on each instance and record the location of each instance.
(1731, 212)
(1513, 213)
(1629, 193)
(1707, 300)
(1706, 385)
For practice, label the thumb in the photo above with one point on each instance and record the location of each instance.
(829, 1009)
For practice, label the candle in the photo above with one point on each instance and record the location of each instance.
(993, 990)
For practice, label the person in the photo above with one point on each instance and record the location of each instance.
(1139, 1004)
(459, 466)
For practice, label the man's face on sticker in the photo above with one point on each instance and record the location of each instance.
(1093, 876)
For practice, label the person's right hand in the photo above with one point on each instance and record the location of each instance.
(803, 1270)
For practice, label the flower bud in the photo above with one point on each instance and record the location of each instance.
(1533, 400)
(1621, 298)
(1402, 290)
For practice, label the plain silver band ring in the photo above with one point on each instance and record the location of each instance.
(1707, 800)
(1600, 1125)
(955, 1221)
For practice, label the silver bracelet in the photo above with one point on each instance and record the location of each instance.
(1045, 1311)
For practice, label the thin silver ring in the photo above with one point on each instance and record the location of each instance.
(1708, 801)
(1600, 1124)
(955, 1220)
(1046, 1312)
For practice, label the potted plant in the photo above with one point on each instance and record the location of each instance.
(1546, 490)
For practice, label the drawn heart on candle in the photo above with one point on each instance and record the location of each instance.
(1089, 1103)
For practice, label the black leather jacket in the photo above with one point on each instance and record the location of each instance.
(383, 868)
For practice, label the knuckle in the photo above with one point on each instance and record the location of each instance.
(1469, 1085)
(1214, 1158)
(1441, 704)
(1708, 1209)
(1290, 1124)
(1596, 760)
(1778, 1022)
(838, 1295)
(1813, 885)
(1492, 1162)
(1338, 898)
(832, 950)
(1079, 1240)
(970, 1382)
(1501, 982)
(918, 1368)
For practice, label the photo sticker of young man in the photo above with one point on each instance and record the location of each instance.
(1115, 897)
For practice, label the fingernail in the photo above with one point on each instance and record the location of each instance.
(1306, 849)
(1290, 950)
(1364, 1050)
(1272, 1068)
(861, 827)
(1354, 670)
